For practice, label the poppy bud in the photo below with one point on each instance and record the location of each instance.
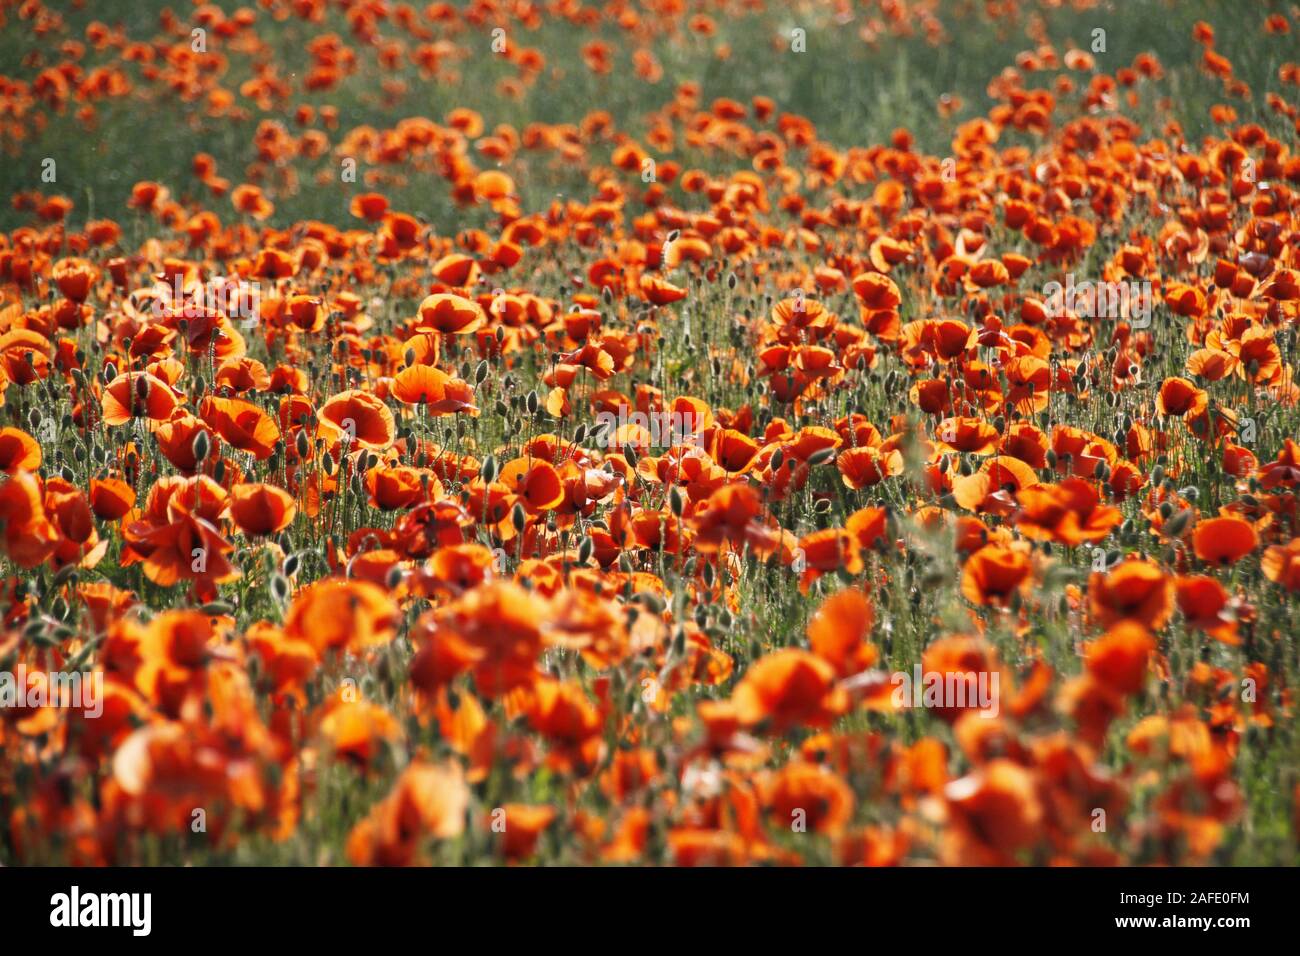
(1178, 523)
(651, 602)
(201, 446)
(518, 517)
(585, 548)
(489, 469)
(67, 574)
(675, 501)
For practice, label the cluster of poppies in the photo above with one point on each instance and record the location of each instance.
(337, 511)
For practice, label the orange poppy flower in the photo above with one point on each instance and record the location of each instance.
(435, 389)
(428, 800)
(176, 439)
(358, 731)
(357, 417)
(19, 451)
(876, 291)
(537, 483)
(788, 688)
(111, 498)
(448, 313)
(29, 536)
(999, 808)
(732, 514)
(863, 467)
(186, 548)
(660, 291)
(839, 630)
(261, 509)
(1281, 564)
(1119, 658)
(994, 487)
(804, 795)
(1069, 513)
(498, 626)
(1204, 603)
(993, 575)
(1180, 397)
(1224, 541)
(242, 424)
(1136, 590)
(369, 206)
(342, 614)
(520, 827)
(137, 395)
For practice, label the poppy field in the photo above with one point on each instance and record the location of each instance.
(649, 432)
